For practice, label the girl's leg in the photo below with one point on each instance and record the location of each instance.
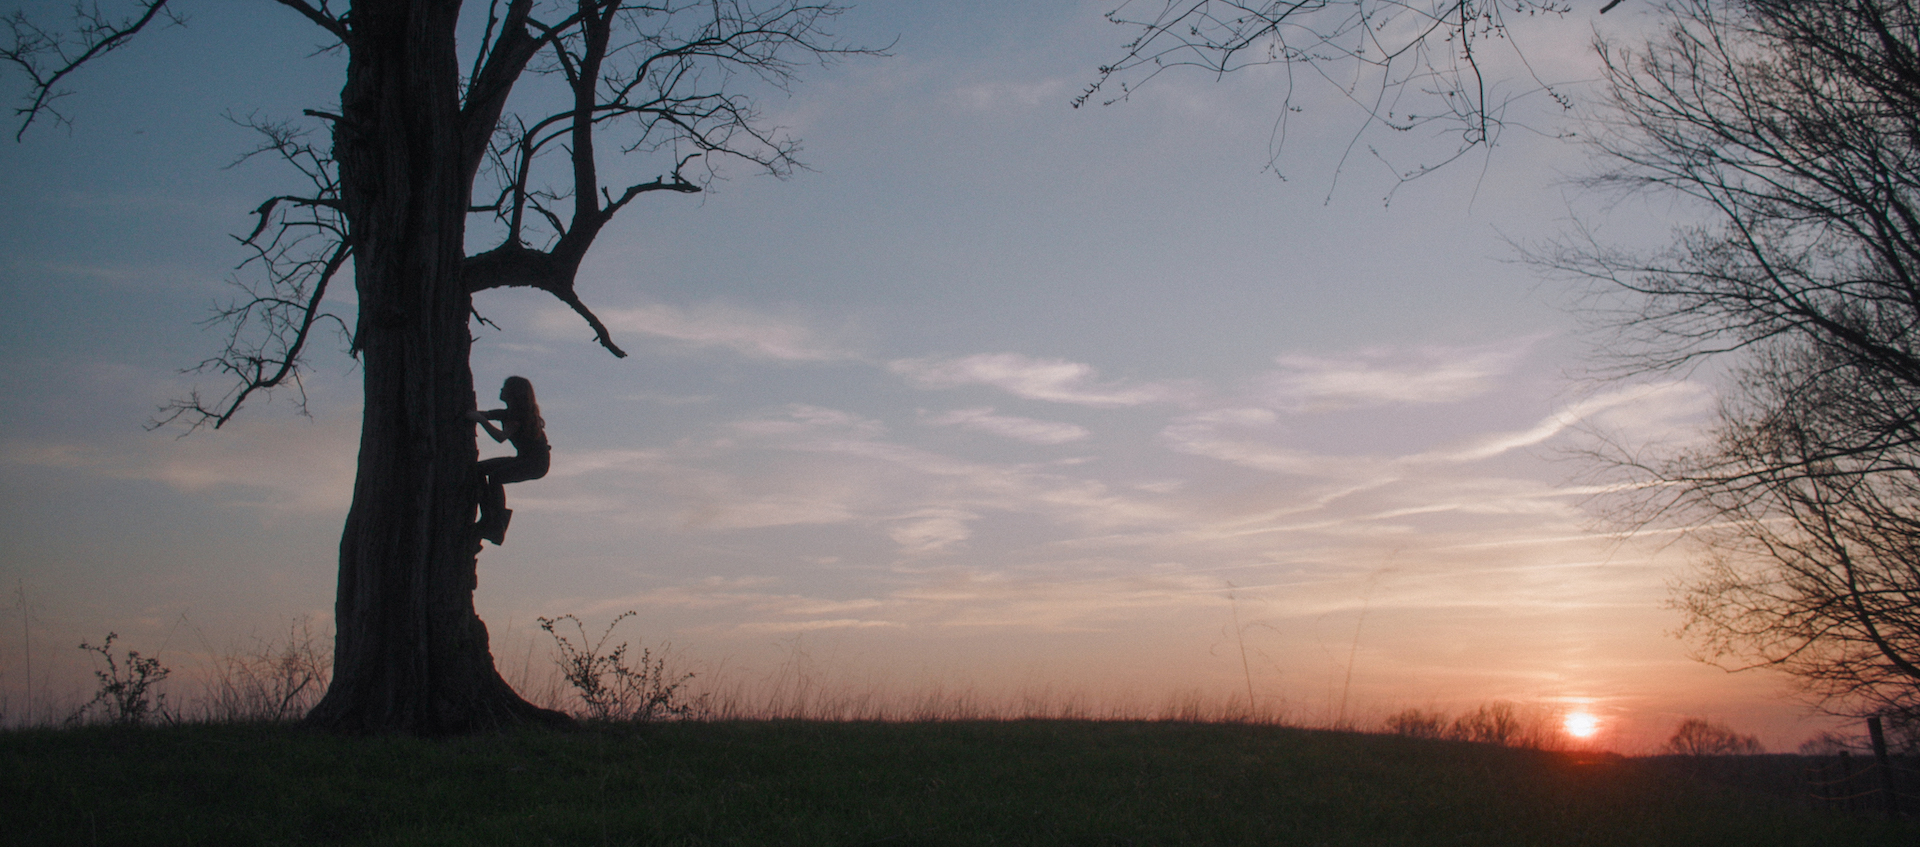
(494, 514)
(493, 498)
(518, 468)
(496, 473)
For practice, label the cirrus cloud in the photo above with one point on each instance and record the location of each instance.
(1053, 380)
(1385, 376)
(1030, 430)
(750, 334)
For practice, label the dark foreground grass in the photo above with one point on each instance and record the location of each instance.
(1026, 782)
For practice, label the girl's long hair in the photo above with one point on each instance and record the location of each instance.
(517, 392)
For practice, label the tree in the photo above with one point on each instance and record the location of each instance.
(1405, 64)
(1795, 128)
(1698, 737)
(423, 125)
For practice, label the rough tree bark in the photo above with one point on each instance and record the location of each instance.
(410, 654)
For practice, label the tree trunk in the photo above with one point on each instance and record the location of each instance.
(410, 654)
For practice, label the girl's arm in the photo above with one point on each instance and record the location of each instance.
(485, 423)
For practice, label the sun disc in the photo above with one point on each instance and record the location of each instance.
(1582, 725)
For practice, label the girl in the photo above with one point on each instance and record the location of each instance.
(521, 424)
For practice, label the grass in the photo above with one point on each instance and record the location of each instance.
(804, 782)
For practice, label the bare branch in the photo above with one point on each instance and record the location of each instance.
(299, 244)
(600, 333)
(323, 16)
(257, 369)
(659, 73)
(1378, 54)
(48, 57)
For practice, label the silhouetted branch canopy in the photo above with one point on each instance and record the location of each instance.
(1793, 130)
(1403, 64)
(551, 91)
(48, 56)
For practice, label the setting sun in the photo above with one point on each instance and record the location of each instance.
(1582, 725)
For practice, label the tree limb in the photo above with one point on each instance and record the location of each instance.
(96, 36)
(327, 21)
(251, 368)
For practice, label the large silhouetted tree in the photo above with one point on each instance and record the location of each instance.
(430, 134)
(1793, 127)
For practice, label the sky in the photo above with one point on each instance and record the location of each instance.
(998, 396)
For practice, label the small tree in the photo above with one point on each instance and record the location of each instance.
(1826, 744)
(1489, 723)
(1698, 737)
(1416, 723)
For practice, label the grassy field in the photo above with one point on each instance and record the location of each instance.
(792, 782)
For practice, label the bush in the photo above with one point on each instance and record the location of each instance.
(1827, 744)
(1697, 737)
(126, 693)
(273, 682)
(1498, 722)
(610, 688)
(1491, 723)
(1415, 723)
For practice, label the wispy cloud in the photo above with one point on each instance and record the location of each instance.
(809, 465)
(1254, 438)
(1054, 380)
(1648, 410)
(803, 419)
(1030, 430)
(813, 625)
(1389, 376)
(932, 530)
(710, 326)
(265, 465)
(997, 96)
(1246, 437)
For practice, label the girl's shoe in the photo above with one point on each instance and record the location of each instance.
(495, 530)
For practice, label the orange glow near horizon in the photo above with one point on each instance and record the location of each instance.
(1582, 725)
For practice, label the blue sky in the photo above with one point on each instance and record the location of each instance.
(999, 395)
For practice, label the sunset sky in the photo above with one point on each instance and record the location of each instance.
(1000, 396)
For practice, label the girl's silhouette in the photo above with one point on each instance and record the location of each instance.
(520, 423)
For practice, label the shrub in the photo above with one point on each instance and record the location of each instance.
(1491, 723)
(1826, 744)
(126, 693)
(1697, 737)
(610, 688)
(1415, 723)
(273, 682)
